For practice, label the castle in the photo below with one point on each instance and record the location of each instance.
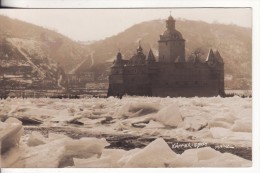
(169, 74)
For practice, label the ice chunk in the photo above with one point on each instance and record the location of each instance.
(28, 120)
(208, 157)
(127, 156)
(241, 136)
(153, 124)
(219, 124)
(86, 113)
(55, 136)
(11, 120)
(43, 156)
(206, 153)
(60, 152)
(224, 160)
(191, 156)
(10, 157)
(85, 147)
(10, 133)
(36, 139)
(108, 159)
(219, 132)
(156, 154)
(226, 117)
(92, 163)
(243, 125)
(170, 115)
(75, 120)
(120, 127)
(186, 159)
(3, 112)
(195, 123)
(137, 109)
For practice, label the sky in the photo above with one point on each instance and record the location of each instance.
(97, 24)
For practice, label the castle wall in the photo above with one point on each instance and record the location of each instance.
(168, 79)
(136, 80)
(186, 79)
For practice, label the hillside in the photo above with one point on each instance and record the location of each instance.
(33, 57)
(56, 47)
(233, 43)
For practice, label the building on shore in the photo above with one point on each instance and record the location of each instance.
(169, 74)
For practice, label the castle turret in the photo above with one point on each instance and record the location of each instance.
(214, 58)
(116, 81)
(170, 23)
(215, 61)
(119, 60)
(139, 57)
(151, 58)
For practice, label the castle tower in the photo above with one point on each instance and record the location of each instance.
(116, 81)
(216, 63)
(171, 44)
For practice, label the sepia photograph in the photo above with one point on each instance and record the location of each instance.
(126, 88)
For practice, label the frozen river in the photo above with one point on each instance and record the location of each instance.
(217, 129)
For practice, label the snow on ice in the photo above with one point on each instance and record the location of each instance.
(209, 120)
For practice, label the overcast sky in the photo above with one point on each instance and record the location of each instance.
(96, 24)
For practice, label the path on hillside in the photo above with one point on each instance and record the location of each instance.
(92, 58)
(42, 74)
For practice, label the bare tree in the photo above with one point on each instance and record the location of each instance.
(196, 55)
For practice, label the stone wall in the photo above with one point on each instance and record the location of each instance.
(168, 79)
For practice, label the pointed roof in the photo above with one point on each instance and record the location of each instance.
(170, 23)
(170, 17)
(151, 56)
(214, 56)
(218, 57)
(210, 56)
(119, 56)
